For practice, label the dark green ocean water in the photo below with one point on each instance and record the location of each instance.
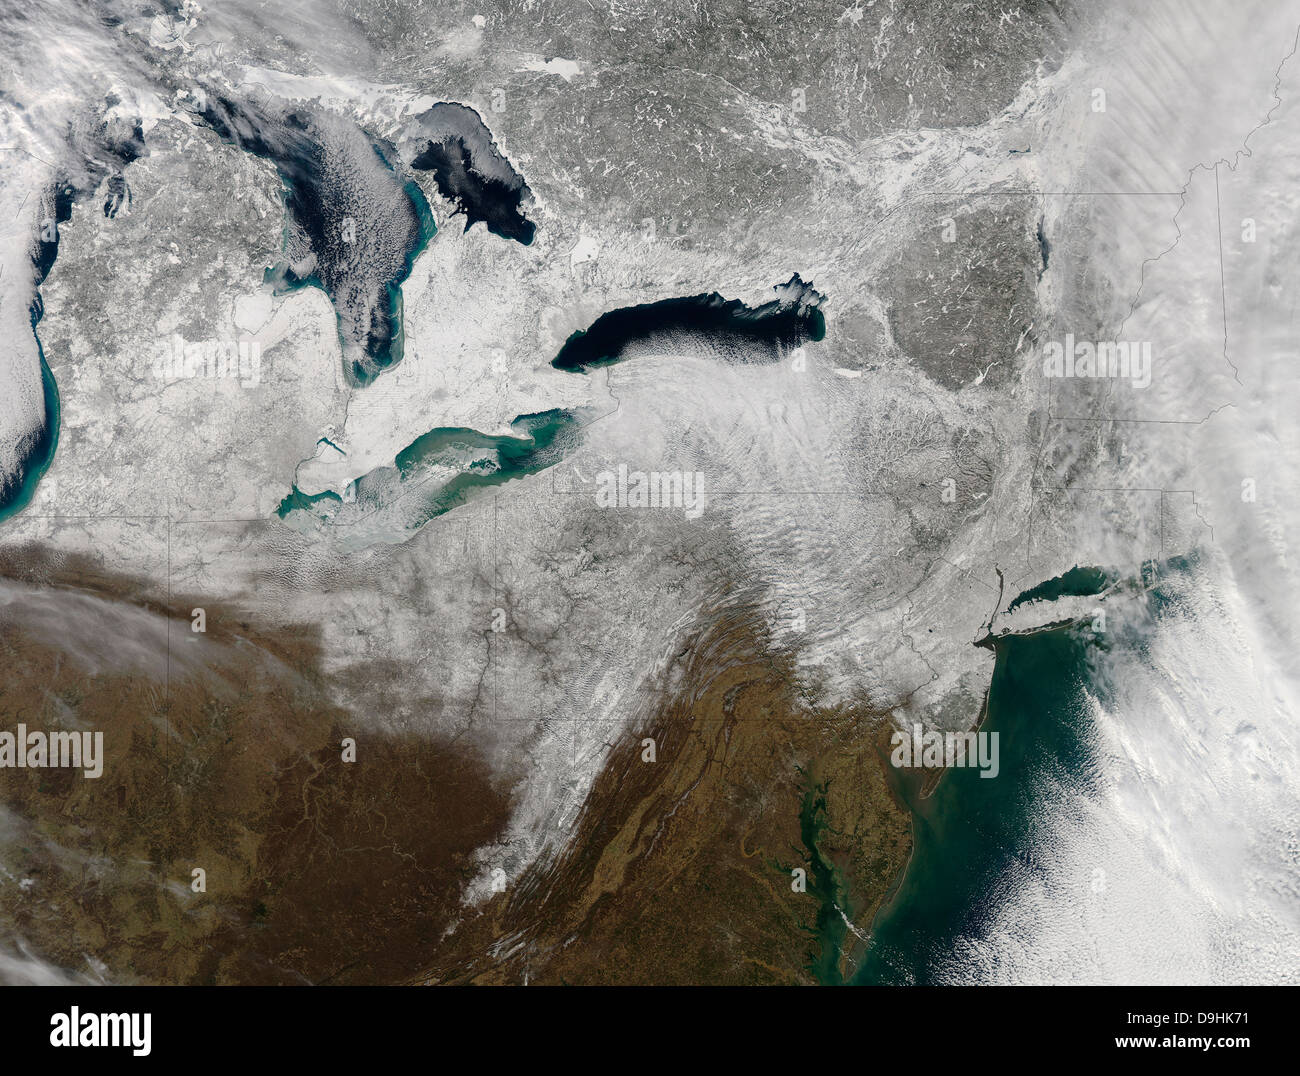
(971, 834)
(974, 836)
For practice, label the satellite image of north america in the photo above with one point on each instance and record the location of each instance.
(649, 493)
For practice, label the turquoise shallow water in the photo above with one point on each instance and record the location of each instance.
(443, 469)
(41, 455)
(386, 348)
